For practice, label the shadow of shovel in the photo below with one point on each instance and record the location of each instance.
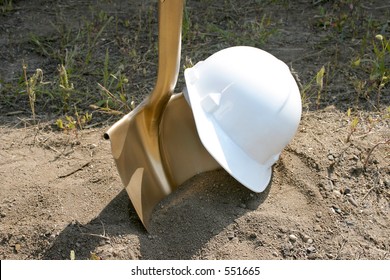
(156, 146)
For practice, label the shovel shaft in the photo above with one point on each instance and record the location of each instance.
(169, 47)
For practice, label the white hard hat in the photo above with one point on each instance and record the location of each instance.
(247, 108)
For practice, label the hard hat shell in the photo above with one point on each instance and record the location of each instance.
(247, 108)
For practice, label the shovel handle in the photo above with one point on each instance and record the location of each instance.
(169, 47)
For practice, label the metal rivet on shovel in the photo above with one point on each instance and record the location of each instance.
(156, 146)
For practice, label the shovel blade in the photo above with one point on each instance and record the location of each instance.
(152, 166)
(136, 153)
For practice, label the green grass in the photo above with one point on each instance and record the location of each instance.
(114, 74)
(78, 55)
(372, 70)
(108, 61)
(6, 6)
(313, 89)
(360, 59)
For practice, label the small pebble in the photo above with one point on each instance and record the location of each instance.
(17, 247)
(336, 209)
(292, 238)
(230, 235)
(305, 238)
(337, 193)
(317, 228)
(319, 214)
(355, 158)
(311, 249)
(330, 256)
(242, 205)
(235, 240)
(253, 236)
(275, 254)
(346, 191)
(352, 201)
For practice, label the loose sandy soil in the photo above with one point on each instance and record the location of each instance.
(60, 191)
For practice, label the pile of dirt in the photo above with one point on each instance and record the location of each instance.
(62, 192)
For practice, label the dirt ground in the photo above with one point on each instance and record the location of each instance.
(329, 197)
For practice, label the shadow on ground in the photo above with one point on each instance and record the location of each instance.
(181, 224)
(116, 219)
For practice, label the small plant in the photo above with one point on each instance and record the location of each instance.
(70, 123)
(377, 66)
(344, 18)
(320, 84)
(188, 63)
(114, 88)
(6, 5)
(315, 86)
(82, 119)
(353, 125)
(65, 85)
(380, 70)
(31, 85)
(117, 100)
(64, 80)
(259, 31)
(72, 255)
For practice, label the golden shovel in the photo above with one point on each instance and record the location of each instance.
(156, 147)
